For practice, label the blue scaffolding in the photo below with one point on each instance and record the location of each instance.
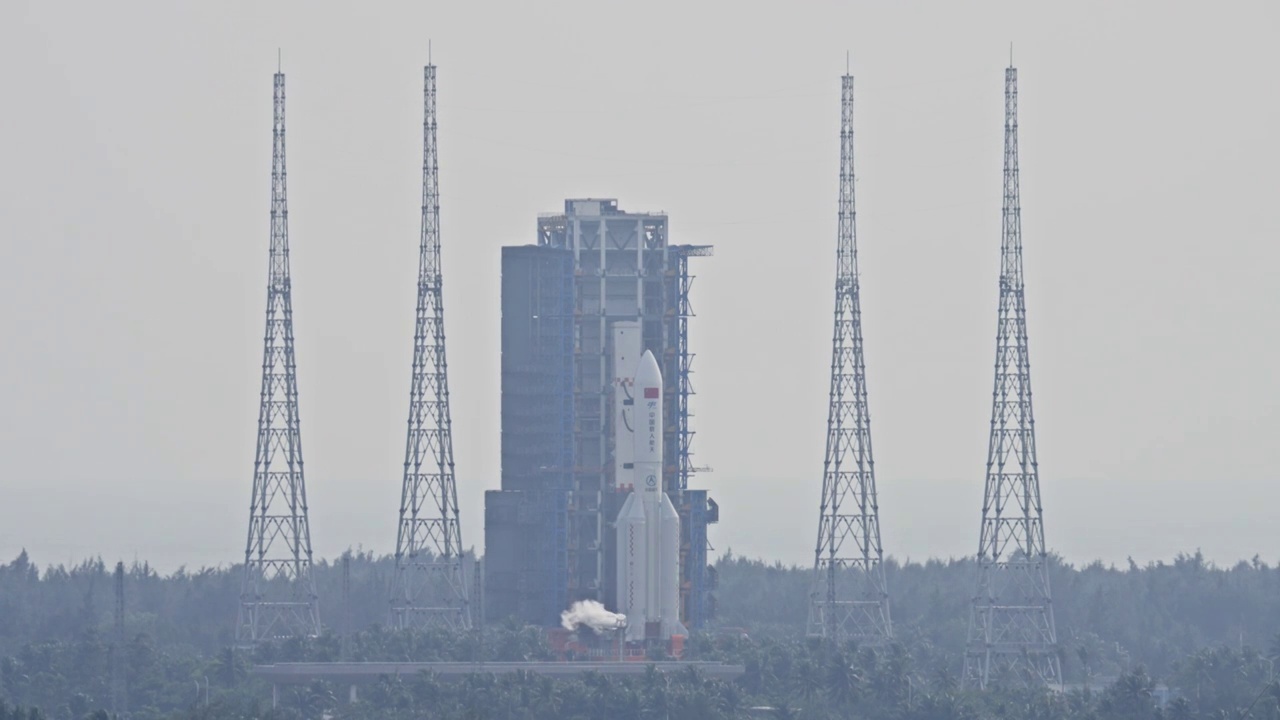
(564, 316)
(699, 602)
(526, 526)
(696, 509)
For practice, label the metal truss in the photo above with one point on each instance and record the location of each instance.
(429, 588)
(278, 595)
(1012, 639)
(849, 599)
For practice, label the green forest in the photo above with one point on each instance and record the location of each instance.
(1185, 639)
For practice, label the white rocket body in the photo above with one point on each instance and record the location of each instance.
(648, 525)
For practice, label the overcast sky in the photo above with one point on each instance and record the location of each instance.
(134, 187)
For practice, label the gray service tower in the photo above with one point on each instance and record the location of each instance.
(579, 308)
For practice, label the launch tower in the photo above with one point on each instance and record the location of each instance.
(278, 594)
(579, 308)
(1011, 631)
(849, 599)
(429, 587)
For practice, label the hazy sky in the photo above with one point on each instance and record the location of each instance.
(134, 184)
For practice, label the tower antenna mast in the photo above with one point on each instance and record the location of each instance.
(429, 588)
(278, 595)
(849, 599)
(1011, 630)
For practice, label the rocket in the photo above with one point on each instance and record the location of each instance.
(648, 526)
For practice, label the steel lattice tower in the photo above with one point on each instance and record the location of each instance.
(1011, 630)
(278, 597)
(849, 599)
(429, 586)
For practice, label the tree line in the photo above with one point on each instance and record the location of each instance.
(1185, 639)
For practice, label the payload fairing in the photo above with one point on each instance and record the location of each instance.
(648, 526)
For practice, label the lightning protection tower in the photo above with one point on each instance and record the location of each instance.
(849, 599)
(1011, 631)
(429, 587)
(278, 596)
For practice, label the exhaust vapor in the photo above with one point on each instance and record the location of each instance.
(593, 615)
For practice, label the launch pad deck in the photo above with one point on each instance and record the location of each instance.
(349, 672)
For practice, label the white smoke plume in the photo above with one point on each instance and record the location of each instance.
(593, 615)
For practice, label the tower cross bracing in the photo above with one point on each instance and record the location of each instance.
(849, 599)
(1012, 637)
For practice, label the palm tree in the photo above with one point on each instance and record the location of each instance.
(809, 683)
(729, 700)
(546, 698)
(843, 683)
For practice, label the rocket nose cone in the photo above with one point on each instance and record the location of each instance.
(647, 374)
